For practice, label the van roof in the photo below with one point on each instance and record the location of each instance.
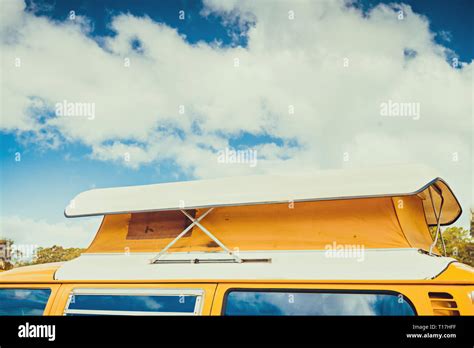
(332, 264)
(135, 268)
(269, 189)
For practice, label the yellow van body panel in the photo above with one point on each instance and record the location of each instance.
(35, 273)
(457, 280)
(457, 272)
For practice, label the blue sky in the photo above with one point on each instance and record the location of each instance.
(40, 185)
(195, 27)
(454, 18)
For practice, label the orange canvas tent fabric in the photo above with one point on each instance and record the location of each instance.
(383, 222)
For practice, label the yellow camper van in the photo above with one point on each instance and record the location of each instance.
(349, 242)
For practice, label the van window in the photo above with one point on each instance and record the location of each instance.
(243, 302)
(134, 302)
(23, 301)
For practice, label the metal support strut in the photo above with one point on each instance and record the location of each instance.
(195, 222)
(438, 220)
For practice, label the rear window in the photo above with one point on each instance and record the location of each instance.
(134, 302)
(23, 301)
(243, 302)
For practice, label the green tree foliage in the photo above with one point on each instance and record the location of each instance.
(9, 257)
(55, 253)
(459, 244)
(5, 247)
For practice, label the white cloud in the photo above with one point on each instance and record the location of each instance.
(26, 231)
(331, 64)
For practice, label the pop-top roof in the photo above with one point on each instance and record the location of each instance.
(269, 189)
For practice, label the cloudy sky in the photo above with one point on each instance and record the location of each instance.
(167, 86)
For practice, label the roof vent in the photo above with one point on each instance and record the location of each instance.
(443, 304)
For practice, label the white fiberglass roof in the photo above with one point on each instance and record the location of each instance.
(264, 189)
(368, 264)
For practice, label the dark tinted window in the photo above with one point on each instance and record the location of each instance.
(133, 303)
(23, 301)
(315, 303)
